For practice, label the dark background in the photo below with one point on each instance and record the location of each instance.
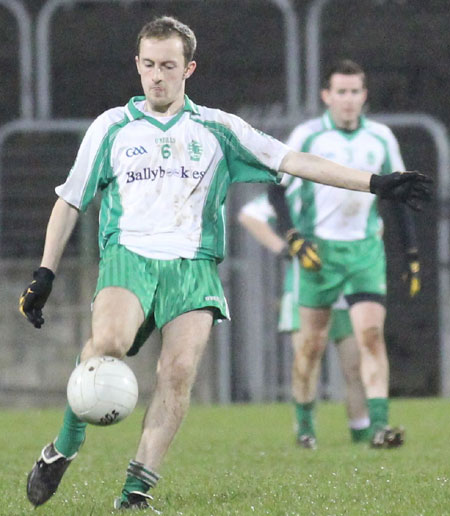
(403, 45)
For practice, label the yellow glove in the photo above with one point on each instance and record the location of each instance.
(305, 251)
(412, 274)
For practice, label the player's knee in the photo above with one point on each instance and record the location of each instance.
(313, 346)
(178, 373)
(110, 343)
(373, 340)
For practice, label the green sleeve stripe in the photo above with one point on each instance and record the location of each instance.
(306, 219)
(213, 214)
(307, 144)
(228, 139)
(101, 172)
(386, 168)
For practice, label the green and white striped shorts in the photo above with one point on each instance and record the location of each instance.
(165, 288)
(289, 316)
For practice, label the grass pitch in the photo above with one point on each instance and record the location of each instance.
(242, 460)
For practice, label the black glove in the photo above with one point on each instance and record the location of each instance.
(412, 275)
(305, 251)
(409, 187)
(35, 295)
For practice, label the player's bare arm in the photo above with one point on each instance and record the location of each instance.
(263, 233)
(408, 187)
(321, 170)
(60, 226)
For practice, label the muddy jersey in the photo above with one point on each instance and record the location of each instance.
(334, 213)
(164, 185)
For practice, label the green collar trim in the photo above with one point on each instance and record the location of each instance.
(329, 123)
(136, 114)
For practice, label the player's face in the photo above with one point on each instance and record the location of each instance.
(163, 72)
(345, 99)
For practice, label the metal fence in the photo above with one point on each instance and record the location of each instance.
(246, 359)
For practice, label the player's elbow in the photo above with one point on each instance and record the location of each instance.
(290, 164)
(243, 219)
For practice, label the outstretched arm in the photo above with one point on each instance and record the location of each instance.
(409, 187)
(314, 168)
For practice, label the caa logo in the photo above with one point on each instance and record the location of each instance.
(135, 151)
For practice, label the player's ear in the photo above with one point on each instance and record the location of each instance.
(365, 94)
(190, 68)
(325, 96)
(136, 60)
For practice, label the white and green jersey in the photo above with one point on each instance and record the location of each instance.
(164, 185)
(335, 213)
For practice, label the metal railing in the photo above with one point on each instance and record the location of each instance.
(44, 96)
(25, 56)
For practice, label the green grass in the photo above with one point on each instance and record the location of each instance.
(242, 460)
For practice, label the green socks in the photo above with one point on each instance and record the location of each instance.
(360, 435)
(378, 413)
(71, 435)
(139, 478)
(305, 418)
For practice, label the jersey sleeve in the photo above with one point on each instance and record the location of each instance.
(91, 170)
(252, 156)
(260, 209)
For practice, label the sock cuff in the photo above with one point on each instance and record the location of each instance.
(377, 401)
(360, 423)
(305, 406)
(138, 470)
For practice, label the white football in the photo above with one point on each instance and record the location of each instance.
(102, 390)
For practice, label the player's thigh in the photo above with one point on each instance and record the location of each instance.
(117, 308)
(314, 333)
(116, 317)
(314, 320)
(183, 342)
(366, 314)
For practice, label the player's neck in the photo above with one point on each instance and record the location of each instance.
(347, 125)
(166, 110)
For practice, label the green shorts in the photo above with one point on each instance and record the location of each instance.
(289, 317)
(347, 268)
(165, 288)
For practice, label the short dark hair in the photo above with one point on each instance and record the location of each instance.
(166, 26)
(344, 67)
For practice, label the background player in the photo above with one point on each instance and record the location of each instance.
(259, 218)
(161, 236)
(345, 230)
